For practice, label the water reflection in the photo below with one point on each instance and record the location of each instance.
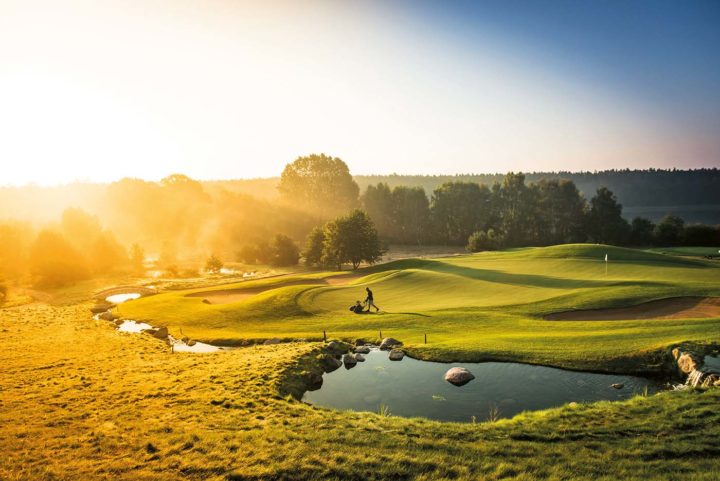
(414, 388)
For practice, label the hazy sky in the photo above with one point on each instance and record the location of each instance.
(98, 90)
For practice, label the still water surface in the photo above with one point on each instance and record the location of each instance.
(412, 388)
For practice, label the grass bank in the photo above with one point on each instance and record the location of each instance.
(81, 401)
(487, 306)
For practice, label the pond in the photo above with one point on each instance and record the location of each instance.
(413, 388)
(120, 298)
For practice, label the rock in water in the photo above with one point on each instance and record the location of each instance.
(349, 360)
(107, 316)
(274, 340)
(359, 342)
(617, 385)
(161, 333)
(336, 347)
(362, 350)
(330, 363)
(459, 376)
(388, 343)
(359, 358)
(688, 362)
(191, 342)
(396, 355)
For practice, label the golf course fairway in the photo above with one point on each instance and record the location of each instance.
(487, 306)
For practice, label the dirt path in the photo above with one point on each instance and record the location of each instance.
(672, 308)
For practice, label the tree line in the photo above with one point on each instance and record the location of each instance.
(513, 213)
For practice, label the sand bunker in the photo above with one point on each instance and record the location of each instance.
(671, 308)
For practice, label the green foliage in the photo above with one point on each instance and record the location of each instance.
(642, 232)
(458, 209)
(605, 223)
(320, 183)
(314, 247)
(669, 231)
(55, 262)
(213, 264)
(400, 215)
(284, 251)
(702, 235)
(484, 241)
(351, 239)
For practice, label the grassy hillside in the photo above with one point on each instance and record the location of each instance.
(472, 307)
(81, 401)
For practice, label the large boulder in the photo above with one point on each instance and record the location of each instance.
(362, 350)
(689, 362)
(161, 333)
(107, 316)
(359, 342)
(330, 363)
(349, 360)
(359, 358)
(396, 355)
(337, 347)
(269, 342)
(388, 343)
(458, 376)
(313, 380)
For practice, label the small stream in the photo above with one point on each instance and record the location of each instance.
(412, 388)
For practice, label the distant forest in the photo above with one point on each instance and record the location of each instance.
(693, 195)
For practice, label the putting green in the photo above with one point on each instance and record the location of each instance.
(472, 307)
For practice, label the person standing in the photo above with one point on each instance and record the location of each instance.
(370, 301)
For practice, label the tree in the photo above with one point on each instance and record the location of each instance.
(314, 247)
(213, 264)
(54, 261)
(458, 209)
(517, 207)
(378, 203)
(137, 259)
(669, 231)
(410, 214)
(642, 232)
(285, 251)
(106, 254)
(248, 254)
(560, 212)
(351, 239)
(702, 235)
(320, 183)
(605, 223)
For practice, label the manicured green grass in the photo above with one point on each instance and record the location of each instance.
(472, 307)
(688, 251)
(81, 401)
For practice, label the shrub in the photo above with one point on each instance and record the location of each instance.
(213, 264)
(484, 241)
(284, 251)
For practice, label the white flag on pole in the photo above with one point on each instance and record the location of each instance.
(605, 257)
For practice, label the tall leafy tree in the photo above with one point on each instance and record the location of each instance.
(378, 202)
(605, 223)
(642, 232)
(284, 251)
(458, 209)
(351, 239)
(314, 247)
(320, 183)
(559, 213)
(669, 231)
(411, 214)
(517, 207)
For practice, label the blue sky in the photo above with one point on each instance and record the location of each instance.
(236, 89)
